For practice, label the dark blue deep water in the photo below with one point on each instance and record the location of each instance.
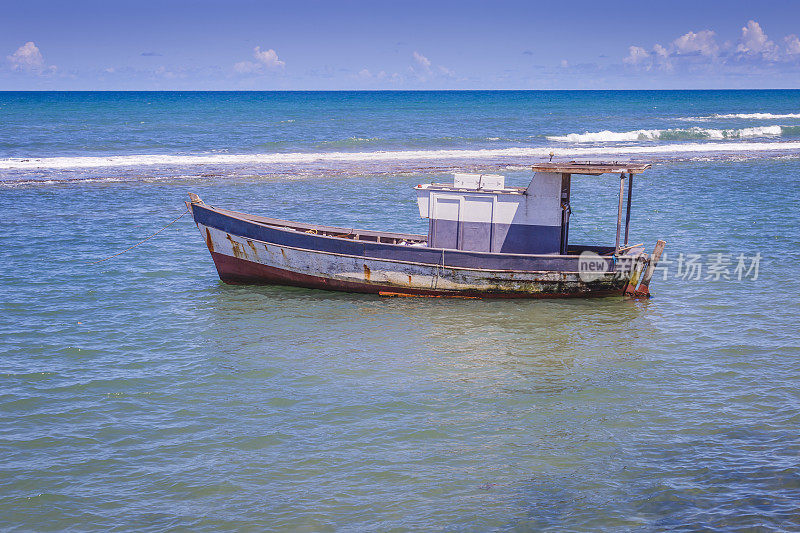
(141, 393)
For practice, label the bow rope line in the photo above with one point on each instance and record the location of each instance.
(143, 241)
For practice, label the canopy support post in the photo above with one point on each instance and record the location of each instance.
(619, 210)
(628, 210)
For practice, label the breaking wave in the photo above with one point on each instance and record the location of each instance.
(343, 160)
(676, 134)
(754, 116)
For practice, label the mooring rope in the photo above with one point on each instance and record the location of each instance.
(142, 241)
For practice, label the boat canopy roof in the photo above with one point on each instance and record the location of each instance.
(592, 169)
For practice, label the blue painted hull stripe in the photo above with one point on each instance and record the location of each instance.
(433, 256)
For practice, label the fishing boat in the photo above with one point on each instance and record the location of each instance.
(485, 240)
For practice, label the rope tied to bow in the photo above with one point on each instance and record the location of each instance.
(174, 220)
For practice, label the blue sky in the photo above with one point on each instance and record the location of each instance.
(94, 45)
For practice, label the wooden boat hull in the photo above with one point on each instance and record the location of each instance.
(246, 250)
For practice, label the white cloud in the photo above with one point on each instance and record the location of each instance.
(636, 56)
(423, 61)
(366, 74)
(661, 57)
(702, 42)
(268, 58)
(564, 63)
(425, 70)
(754, 42)
(421, 70)
(688, 47)
(700, 50)
(28, 58)
(264, 59)
(792, 44)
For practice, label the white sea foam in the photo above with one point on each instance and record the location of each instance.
(608, 136)
(338, 159)
(669, 134)
(753, 116)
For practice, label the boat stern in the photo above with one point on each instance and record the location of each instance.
(642, 271)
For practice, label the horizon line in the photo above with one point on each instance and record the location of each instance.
(376, 90)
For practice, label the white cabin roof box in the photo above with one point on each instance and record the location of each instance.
(478, 181)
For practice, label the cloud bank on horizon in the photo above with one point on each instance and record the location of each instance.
(695, 57)
(701, 50)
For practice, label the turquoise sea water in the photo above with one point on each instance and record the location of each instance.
(141, 393)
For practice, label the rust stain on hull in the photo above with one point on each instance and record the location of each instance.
(237, 248)
(209, 241)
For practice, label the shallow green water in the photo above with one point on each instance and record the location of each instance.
(141, 393)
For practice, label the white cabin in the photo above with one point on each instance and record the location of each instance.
(477, 212)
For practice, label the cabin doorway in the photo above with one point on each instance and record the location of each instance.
(476, 230)
(444, 223)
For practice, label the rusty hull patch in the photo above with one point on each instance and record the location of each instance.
(209, 242)
(252, 247)
(237, 248)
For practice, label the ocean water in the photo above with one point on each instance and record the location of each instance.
(140, 393)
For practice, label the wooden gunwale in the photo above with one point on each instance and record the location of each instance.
(300, 226)
(289, 226)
